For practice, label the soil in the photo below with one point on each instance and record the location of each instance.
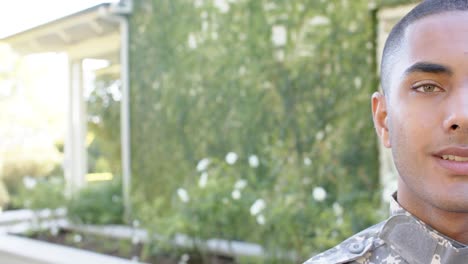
(123, 248)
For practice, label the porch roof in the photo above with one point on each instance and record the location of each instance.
(87, 33)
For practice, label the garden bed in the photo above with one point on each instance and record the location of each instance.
(122, 241)
(123, 248)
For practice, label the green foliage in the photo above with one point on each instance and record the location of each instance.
(104, 126)
(386, 3)
(4, 196)
(98, 203)
(40, 193)
(23, 162)
(288, 82)
(37, 164)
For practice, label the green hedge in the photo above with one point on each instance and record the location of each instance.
(207, 80)
(99, 203)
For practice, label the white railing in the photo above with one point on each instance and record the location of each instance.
(19, 250)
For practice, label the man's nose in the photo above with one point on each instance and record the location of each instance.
(457, 116)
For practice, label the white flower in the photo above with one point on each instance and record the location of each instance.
(135, 239)
(29, 182)
(231, 158)
(319, 194)
(198, 3)
(352, 27)
(253, 161)
(54, 230)
(337, 209)
(77, 238)
(307, 161)
(320, 135)
(236, 194)
(357, 82)
(203, 180)
(240, 184)
(222, 5)
(279, 55)
(205, 26)
(257, 207)
(260, 219)
(279, 35)
(371, 5)
(319, 21)
(289, 199)
(184, 258)
(192, 41)
(339, 220)
(203, 164)
(242, 70)
(183, 195)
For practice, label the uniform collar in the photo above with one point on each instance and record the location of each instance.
(417, 242)
(397, 209)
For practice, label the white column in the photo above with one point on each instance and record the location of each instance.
(125, 117)
(75, 145)
(68, 145)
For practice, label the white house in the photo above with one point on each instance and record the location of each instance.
(101, 32)
(98, 32)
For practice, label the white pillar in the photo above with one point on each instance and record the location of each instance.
(75, 144)
(68, 144)
(125, 117)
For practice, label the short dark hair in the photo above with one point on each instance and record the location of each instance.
(394, 40)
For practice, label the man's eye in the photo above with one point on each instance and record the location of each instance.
(428, 88)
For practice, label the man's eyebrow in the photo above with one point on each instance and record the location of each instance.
(429, 67)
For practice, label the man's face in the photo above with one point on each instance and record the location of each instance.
(424, 117)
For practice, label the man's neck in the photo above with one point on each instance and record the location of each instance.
(451, 224)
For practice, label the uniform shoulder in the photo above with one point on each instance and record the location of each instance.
(352, 248)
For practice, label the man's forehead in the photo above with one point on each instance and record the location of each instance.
(441, 21)
(436, 35)
(431, 45)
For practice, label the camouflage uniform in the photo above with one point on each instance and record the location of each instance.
(401, 239)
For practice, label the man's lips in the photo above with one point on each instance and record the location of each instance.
(454, 159)
(455, 153)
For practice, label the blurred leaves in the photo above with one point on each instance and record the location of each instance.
(98, 203)
(286, 81)
(39, 193)
(103, 109)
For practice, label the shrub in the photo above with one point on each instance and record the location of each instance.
(287, 215)
(4, 196)
(33, 162)
(39, 193)
(286, 81)
(98, 203)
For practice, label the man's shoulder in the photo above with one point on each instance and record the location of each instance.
(354, 248)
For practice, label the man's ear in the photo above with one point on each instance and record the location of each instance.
(380, 116)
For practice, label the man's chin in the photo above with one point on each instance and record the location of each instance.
(453, 204)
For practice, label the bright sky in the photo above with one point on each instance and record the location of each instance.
(43, 77)
(19, 15)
